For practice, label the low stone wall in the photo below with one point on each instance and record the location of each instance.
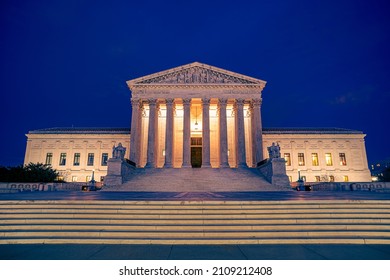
(349, 186)
(34, 187)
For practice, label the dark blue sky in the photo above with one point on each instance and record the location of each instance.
(64, 63)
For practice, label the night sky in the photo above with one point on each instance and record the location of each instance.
(66, 63)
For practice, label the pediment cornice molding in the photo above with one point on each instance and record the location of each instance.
(197, 76)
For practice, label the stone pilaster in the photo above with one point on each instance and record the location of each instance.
(241, 155)
(223, 142)
(169, 137)
(152, 133)
(258, 130)
(134, 130)
(139, 135)
(186, 133)
(206, 132)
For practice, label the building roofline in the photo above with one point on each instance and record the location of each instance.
(81, 130)
(309, 130)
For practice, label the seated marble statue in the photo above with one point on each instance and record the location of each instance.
(274, 151)
(118, 151)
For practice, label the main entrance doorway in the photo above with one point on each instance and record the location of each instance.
(196, 152)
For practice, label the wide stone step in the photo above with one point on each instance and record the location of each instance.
(193, 227)
(199, 221)
(195, 222)
(196, 216)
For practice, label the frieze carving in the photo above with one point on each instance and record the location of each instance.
(196, 75)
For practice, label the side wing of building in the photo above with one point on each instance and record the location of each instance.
(321, 154)
(76, 152)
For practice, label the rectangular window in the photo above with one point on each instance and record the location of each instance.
(303, 178)
(63, 159)
(318, 179)
(328, 159)
(88, 178)
(287, 158)
(314, 159)
(76, 159)
(101, 178)
(74, 178)
(345, 178)
(301, 159)
(331, 178)
(104, 159)
(49, 158)
(343, 160)
(91, 157)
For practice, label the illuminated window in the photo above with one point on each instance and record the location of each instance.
(91, 157)
(76, 159)
(331, 178)
(104, 159)
(63, 159)
(318, 179)
(314, 159)
(88, 178)
(303, 178)
(328, 159)
(301, 159)
(343, 160)
(345, 178)
(74, 178)
(49, 158)
(287, 158)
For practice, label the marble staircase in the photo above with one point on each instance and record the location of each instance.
(195, 222)
(196, 180)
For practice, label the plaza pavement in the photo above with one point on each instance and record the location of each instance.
(203, 252)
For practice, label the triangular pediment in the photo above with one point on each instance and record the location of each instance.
(195, 74)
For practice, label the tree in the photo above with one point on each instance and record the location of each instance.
(385, 176)
(32, 172)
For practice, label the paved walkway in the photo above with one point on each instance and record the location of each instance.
(294, 195)
(177, 252)
(194, 252)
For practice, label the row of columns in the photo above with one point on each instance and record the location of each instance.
(152, 142)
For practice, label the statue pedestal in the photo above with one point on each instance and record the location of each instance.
(274, 170)
(117, 170)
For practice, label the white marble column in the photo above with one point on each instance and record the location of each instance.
(139, 137)
(186, 133)
(206, 132)
(241, 155)
(134, 129)
(258, 130)
(169, 137)
(223, 142)
(152, 134)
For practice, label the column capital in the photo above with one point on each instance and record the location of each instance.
(152, 101)
(169, 101)
(240, 101)
(187, 101)
(256, 102)
(135, 101)
(222, 101)
(206, 101)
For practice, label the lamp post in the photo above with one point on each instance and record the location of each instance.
(92, 182)
(300, 186)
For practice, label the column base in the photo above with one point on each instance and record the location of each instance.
(242, 165)
(224, 165)
(169, 165)
(150, 165)
(186, 166)
(207, 165)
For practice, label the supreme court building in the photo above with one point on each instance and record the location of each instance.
(200, 116)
